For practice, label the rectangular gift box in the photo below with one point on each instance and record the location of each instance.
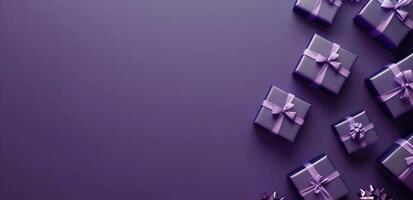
(356, 132)
(324, 65)
(394, 161)
(385, 24)
(323, 11)
(383, 83)
(289, 126)
(305, 178)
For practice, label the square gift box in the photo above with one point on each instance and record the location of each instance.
(282, 113)
(387, 20)
(398, 161)
(319, 180)
(393, 87)
(325, 64)
(356, 132)
(322, 10)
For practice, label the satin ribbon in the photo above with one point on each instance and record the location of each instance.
(327, 62)
(373, 193)
(317, 7)
(405, 81)
(406, 145)
(274, 196)
(282, 112)
(357, 131)
(317, 182)
(395, 9)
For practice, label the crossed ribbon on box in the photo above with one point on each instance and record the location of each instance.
(318, 182)
(317, 7)
(282, 112)
(357, 131)
(395, 9)
(406, 145)
(404, 79)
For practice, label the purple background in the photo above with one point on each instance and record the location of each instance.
(155, 99)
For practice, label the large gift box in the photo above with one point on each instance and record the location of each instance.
(282, 113)
(398, 161)
(325, 64)
(356, 132)
(393, 87)
(322, 10)
(319, 179)
(387, 20)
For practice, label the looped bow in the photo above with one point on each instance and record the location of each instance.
(406, 145)
(318, 183)
(357, 131)
(287, 110)
(273, 196)
(331, 60)
(405, 81)
(397, 8)
(373, 193)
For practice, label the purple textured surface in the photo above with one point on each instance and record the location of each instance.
(155, 99)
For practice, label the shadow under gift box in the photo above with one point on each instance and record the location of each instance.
(372, 15)
(266, 119)
(383, 81)
(342, 129)
(394, 162)
(326, 14)
(301, 177)
(308, 69)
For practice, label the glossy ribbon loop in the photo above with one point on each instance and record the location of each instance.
(404, 79)
(357, 131)
(281, 112)
(317, 7)
(327, 62)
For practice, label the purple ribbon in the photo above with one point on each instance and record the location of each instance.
(406, 145)
(317, 7)
(318, 182)
(373, 193)
(395, 9)
(405, 81)
(282, 112)
(327, 62)
(357, 131)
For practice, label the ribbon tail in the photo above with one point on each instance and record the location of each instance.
(383, 25)
(277, 127)
(405, 174)
(326, 195)
(389, 95)
(316, 10)
(321, 75)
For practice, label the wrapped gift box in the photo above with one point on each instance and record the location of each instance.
(325, 64)
(393, 87)
(356, 132)
(318, 179)
(282, 113)
(384, 21)
(398, 161)
(322, 10)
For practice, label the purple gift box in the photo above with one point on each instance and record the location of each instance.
(393, 87)
(325, 64)
(323, 11)
(398, 161)
(387, 20)
(319, 179)
(356, 132)
(282, 113)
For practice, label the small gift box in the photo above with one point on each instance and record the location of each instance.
(319, 180)
(325, 64)
(387, 20)
(322, 10)
(356, 132)
(393, 87)
(398, 161)
(282, 113)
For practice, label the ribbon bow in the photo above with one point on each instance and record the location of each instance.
(282, 112)
(405, 81)
(317, 7)
(357, 131)
(394, 9)
(273, 196)
(318, 182)
(327, 62)
(406, 145)
(374, 193)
